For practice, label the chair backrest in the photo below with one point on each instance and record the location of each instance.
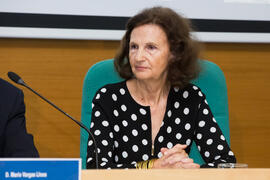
(211, 80)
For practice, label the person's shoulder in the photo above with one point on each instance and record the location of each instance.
(109, 89)
(192, 87)
(190, 90)
(7, 89)
(112, 87)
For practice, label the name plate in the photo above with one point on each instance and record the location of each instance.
(40, 168)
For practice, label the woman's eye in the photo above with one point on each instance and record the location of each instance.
(133, 46)
(151, 47)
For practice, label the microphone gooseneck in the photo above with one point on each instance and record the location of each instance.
(17, 79)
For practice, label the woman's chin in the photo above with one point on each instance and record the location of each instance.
(142, 78)
(142, 75)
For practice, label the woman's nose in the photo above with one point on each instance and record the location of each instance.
(140, 55)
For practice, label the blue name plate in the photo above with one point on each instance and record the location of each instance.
(40, 168)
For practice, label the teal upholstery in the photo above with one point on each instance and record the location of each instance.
(211, 80)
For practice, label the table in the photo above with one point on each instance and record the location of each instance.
(178, 174)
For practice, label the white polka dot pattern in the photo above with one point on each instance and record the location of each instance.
(144, 142)
(187, 126)
(125, 138)
(116, 144)
(213, 129)
(135, 148)
(176, 105)
(97, 113)
(169, 113)
(169, 145)
(116, 158)
(114, 97)
(217, 157)
(103, 164)
(134, 117)
(205, 111)
(186, 111)
(178, 136)
(188, 142)
(177, 121)
(110, 154)
(169, 130)
(111, 135)
(144, 127)
(89, 159)
(125, 123)
(160, 138)
(185, 94)
(135, 132)
(115, 112)
(124, 154)
(90, 143)
(116, 128)
(104, 142)
(222, 137)
(122, 91)
(220, 147)
(209, 141)
(103, 90)
(105, 123)
(119, 165)
(199, 136)
(97, 132)
(122, 128)
(92, 124)
(201, 123)
(145, 157)
(142, 111)
(124, 108)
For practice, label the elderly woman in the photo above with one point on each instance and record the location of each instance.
(151, 119)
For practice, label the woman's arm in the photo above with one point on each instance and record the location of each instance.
(102, 130)
(209, 138)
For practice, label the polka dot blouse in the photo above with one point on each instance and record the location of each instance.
(122, 128)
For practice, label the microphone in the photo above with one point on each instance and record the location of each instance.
(17, 79)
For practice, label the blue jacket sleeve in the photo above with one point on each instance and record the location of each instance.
(17, 142)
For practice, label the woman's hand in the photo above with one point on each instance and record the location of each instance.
(175, 157)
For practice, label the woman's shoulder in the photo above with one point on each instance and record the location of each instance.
(190, 91)
(110, 90)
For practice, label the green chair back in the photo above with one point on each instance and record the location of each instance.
(211, 80)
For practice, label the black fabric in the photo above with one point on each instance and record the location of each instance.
(122, 128)
(14, 139)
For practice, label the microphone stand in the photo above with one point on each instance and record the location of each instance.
(14, 77)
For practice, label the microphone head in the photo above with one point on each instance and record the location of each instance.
(15, 77)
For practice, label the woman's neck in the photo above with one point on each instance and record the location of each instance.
(150, 93)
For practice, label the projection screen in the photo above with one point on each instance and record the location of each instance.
(214, 20)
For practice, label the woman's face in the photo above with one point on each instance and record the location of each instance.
(149, 52)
